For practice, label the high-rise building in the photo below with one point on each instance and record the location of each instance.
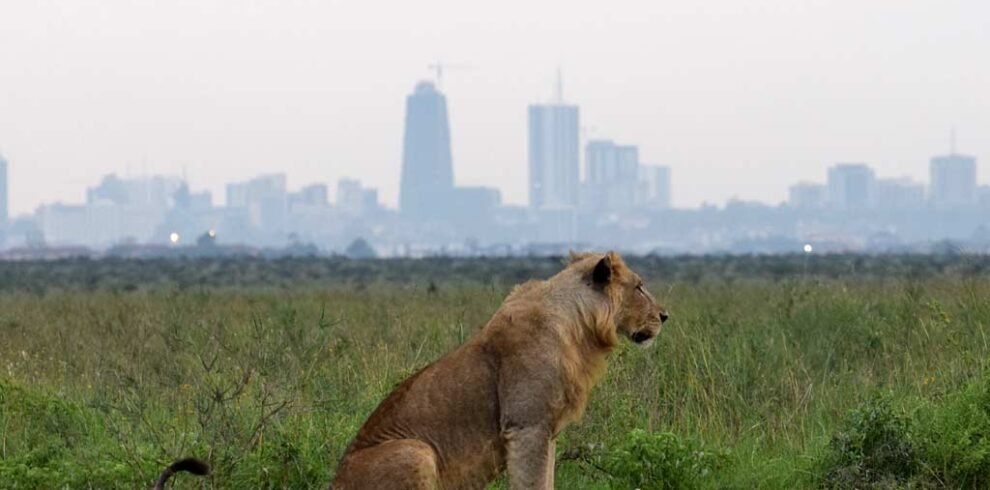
(553, 156)
(264, 200)
(427, 166)
(611, 175)
(850, 186)
(806, 195)
(134, 207)
(654, 187)
(157, 191)
(311, 195)
(983, 196)
(608, 162)
(899, 194)
(3, 195)
(475, 206)
(354, 200)
(953, 181)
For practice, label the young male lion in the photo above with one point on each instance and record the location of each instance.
(499, 400)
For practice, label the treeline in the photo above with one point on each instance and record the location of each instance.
(130, 274)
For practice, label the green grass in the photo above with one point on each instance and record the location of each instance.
(755, 383)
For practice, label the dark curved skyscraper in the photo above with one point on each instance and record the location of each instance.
(427, 168)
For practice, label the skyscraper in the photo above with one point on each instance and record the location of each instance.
(806, 195)
(898, 194)
(427, 166)
(850, 186)
(265, 201)
(3, 194)
(353, 199)
(553, 155)
(654, 186)
(953, 181)
(611, 175)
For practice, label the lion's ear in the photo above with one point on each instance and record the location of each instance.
(603, 271)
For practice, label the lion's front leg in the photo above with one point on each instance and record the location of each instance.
(529, 458)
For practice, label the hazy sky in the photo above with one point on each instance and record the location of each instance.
(740, 98)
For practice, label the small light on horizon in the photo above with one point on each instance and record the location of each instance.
(212, 233)
(807, 248)
(173, 237)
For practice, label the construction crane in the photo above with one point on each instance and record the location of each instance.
(439, 67)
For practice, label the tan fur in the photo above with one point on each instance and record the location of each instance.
(499, 400)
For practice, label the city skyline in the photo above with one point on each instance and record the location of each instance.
(613, 200)
(764, 91)
(579, 164)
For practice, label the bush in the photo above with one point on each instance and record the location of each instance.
(956, 437)
(874, 449)
(661, 461)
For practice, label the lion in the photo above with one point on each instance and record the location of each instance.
(499, 401)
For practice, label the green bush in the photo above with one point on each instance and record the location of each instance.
(873, 450)
(661, 461)
(53, 443)
(956, 437)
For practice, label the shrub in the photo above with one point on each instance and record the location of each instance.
(956, 437)
(661, 461)
(873, 450)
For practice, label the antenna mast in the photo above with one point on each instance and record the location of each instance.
(439, 67)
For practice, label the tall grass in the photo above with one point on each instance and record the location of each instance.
(101, 388)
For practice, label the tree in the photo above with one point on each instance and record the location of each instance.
(360, 249)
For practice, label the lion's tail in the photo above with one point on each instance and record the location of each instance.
(192, 465)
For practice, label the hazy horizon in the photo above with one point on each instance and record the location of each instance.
(739, 100)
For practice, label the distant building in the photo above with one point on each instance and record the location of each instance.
(264, 201)
(97, 225)
(355, 200)
(242, 194)
(806, 195)
(850, 186)
(612, 173)
(427, 167)
(200, 202)
(899, 194)
(654, 187)
(311, 195)
(953, 181)
(4, 213)
(123, 209)
(983, 196)
(475, 205)
(554, 157)
(157, 191)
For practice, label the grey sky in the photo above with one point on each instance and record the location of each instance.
(741, 98)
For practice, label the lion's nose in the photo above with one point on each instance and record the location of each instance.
(664, 316)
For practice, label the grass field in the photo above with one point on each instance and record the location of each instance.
(800, 380)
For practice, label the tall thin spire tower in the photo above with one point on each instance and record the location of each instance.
(554, 158)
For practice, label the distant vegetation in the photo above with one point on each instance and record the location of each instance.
(116, 274)
(775, 372)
